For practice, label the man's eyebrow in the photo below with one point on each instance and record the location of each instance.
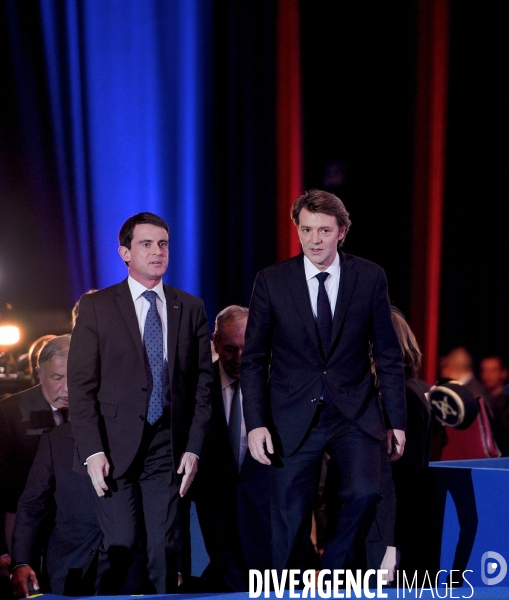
(150, 241)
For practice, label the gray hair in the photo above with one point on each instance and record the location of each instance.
(229, 314)
(58, 346)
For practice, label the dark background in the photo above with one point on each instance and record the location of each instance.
(358, 72)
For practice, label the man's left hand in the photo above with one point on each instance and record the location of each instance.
(22, 576)
(395, 439)
(189, 467)
(5, 561)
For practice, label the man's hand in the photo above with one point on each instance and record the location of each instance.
(21, 577)
(395, 439)
(390, 562)
(5, 562)
(257, 440)
(189, 467)
(98, 468)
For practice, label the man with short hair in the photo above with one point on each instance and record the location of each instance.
(24, 417)
(308, 386)
(140, 373)
(225, 448)
(57, 510)
(494, 375)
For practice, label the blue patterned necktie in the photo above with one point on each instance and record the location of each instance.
(153, 344)
(235, 423)
(323, 313)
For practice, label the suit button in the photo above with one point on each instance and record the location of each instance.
(325, 372)
(142, 418)
(313, 399)
(143, 389)
(91, 552)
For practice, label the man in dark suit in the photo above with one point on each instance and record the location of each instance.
(308, 386)
(61, 500)
(224, 479)
(24, 417)
(140, 373)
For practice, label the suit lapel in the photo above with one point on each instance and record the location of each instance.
(216, 397)
(300, 295)
(174, 312)
(126, 305)
(347, 282)
(35, 410)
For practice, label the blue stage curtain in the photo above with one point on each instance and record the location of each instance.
(134, 105)
(126, 85)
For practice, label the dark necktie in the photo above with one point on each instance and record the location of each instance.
(153, 343)
(235, 423)
(323, 313)
(61, 416)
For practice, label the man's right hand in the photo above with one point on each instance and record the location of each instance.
(98, 468)
(21, 577)
(257, 440)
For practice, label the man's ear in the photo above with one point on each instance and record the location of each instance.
(125, 253)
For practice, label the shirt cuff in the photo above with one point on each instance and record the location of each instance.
(88, 458)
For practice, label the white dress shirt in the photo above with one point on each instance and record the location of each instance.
(227, 388)
(331, 283)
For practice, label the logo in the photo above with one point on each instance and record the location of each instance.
(491, 563)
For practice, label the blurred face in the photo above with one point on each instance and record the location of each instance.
(319, 235)
(148, 255)
(53, 377)
(493, 375)
(229, 346)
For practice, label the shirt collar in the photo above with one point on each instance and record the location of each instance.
(226, 380)
(137, 289)
(311, 271)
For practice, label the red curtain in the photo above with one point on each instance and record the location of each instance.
(430, 142)
(289, 125)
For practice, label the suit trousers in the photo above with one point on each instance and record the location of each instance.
(294, 484)
(139, 520)
(253, 504)
(217, 514)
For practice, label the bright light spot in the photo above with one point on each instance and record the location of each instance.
(9, 334)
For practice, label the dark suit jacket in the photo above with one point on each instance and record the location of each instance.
(24, 417)
(215, 493)
(107, 379)
(217, 465)
(282, 333)
(53, 488)
(233, 507)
